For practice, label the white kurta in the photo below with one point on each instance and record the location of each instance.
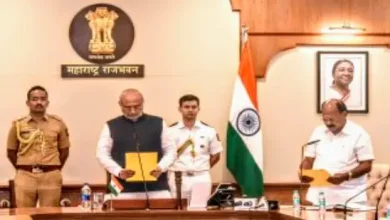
(103, 154)
(340, 154)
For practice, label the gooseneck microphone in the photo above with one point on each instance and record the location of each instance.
(301, 170)
(380, 196)
(367, 188)
(137, 144)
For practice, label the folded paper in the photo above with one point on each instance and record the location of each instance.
(320, 177)
(148, 161)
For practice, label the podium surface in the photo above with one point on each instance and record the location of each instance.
(78, 214)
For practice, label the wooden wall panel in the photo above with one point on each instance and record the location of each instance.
(278, 25)
(297, 16)
(282, 192)
(265, 47)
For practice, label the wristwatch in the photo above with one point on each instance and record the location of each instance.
(349, 175)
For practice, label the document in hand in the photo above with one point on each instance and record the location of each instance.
(148, 161)
(319, 177)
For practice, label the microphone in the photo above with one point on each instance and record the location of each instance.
(311, 142)
(367, 188)
(380, 196)
(135, 137)
(302, 150)
(302, 157)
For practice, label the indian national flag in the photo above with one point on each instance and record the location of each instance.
(115, 187)
(244, 136)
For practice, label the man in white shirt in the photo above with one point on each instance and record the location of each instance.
(198, 148)
(133, 132)
(344, 150)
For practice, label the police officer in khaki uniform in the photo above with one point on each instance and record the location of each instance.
(38, 146)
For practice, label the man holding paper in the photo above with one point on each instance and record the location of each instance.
(134, 142)
(344, 151)
(198, 149)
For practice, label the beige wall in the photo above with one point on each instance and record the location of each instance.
(187, 46)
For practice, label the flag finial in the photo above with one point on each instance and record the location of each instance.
(244, 33)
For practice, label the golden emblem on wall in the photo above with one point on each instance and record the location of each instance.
(101, 23)
(101, 33)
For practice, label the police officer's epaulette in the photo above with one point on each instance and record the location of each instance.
(173, 124)
(21, 118)
(58, 118)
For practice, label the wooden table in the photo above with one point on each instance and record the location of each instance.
(78, 214)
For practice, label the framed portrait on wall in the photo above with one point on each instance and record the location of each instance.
(343, 75)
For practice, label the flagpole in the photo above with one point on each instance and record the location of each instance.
(111, 202)
(112, 176)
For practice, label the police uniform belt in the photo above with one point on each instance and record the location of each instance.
(38, 168)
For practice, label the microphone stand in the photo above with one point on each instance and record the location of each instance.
(300, 185)
(142, 170)
(367, 188)
(301, 168)
(178, 182)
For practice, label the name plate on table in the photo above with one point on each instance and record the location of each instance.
(118, 204)
(245, 203)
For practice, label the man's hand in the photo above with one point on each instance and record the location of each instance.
(305, 179)
(338, 178)
(156, 172)
(124, 174)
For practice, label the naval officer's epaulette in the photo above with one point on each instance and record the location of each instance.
(173, 124)
(204, 123)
